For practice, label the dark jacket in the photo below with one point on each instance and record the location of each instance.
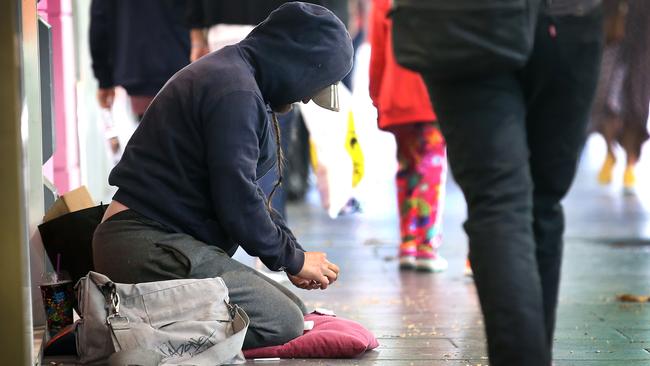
(194, 161)
(206, 13)
(139, 44)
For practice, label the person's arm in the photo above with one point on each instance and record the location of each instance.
(378, 33)
(302, 280)
(232, 150)
(279, 221)
(101, 41)
(199, 44)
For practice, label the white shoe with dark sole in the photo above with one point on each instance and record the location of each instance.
(437, 264)
(407, 262)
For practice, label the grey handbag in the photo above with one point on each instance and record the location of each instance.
(176, 322)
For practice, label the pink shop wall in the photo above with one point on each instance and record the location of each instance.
(63, 168)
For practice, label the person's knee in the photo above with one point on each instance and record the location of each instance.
(275, 328)
(285, 325)
(275, 318)
(500, 196)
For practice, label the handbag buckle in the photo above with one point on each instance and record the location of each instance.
(115, 302)
(232, 309)
(117, 322)
(112, 303)
(112, 298)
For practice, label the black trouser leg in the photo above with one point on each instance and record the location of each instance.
(559, 84)
(483, 121)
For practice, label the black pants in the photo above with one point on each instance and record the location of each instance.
(513, 144)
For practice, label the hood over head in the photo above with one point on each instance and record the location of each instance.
(297, 51)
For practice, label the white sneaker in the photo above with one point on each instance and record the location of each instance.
(437, 264)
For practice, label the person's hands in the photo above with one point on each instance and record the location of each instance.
(317, 268)
(198, 51)
(105, 97)
(303, 283)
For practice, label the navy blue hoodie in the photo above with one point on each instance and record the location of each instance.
(206, 139)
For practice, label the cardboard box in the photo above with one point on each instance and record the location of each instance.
(75, 200)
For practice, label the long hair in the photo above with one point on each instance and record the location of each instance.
(280, 159)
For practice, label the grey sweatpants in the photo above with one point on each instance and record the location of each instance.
(130, 248)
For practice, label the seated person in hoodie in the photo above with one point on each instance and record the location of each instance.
(187, 184)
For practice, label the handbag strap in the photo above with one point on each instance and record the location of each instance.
(119, 325)
(221, 353)
(121, 334)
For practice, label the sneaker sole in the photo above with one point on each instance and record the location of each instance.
(426, 266)
(427, 269)
(407, 262)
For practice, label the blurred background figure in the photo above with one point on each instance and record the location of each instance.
(217, 23)
(620, 111)
(137, 45)
(357, 13)
(404, 109)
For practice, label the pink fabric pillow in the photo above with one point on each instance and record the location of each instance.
(331, 337)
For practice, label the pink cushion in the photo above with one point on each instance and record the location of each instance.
(331, 337)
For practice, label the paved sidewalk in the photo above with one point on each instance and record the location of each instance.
(434, 319)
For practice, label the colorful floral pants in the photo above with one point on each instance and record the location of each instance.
(420, 187)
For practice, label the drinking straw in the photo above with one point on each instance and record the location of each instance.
(58, 263)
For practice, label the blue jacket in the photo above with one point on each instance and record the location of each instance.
(139, 44)
(194, 161)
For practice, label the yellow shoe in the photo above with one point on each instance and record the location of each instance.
(605, 175)
(629, 178)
